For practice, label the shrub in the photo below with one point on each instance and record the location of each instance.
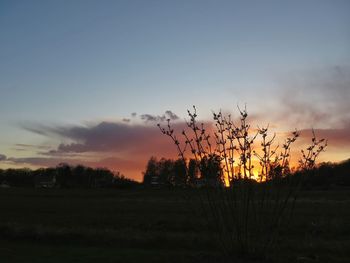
(246, 210)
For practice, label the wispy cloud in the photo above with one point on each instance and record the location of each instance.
(30, 147)
(315, 98)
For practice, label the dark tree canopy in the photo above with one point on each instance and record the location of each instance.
(64, 176)
(180, 173)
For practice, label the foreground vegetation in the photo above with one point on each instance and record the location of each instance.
(154, 225)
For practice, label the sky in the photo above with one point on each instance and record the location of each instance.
(87, 81)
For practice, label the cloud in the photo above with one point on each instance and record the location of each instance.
(30, 147)
(116, 137)
(172, 116)
(318, 97)
(38, 161)
(149, 117)
(159, 118)
(2, 157)
(338, 143)
(125, 146)
(37, 128)
(102, 137)
(337, 137)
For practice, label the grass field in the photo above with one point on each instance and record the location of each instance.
(58, 225)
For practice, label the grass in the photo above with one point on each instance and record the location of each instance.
(58, 225)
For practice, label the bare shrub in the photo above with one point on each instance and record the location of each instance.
(246, 210)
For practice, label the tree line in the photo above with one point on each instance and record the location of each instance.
(327, 175)
(177, 173)
(180, 173)
(65, 176)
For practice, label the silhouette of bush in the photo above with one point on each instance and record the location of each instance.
(246, 210)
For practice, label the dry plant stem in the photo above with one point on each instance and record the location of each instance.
(309, 156)
(170, 132)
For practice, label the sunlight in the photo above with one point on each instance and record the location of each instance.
(254, 176)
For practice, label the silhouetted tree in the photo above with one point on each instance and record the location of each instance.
(192, 172)
(120, 181)
(179, 173)
(63, 175)
(151, 171)
(211, 170)
(166, 172)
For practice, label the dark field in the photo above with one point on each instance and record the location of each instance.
(56, 225)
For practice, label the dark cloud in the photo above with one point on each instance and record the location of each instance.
(107, 137)
(170, 115)
(103, 141)
(133, 114)
(159, 118)
(73, 147)
(149, 117)
(2, 157)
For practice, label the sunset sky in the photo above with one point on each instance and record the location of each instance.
(86, 82)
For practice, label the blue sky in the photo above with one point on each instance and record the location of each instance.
(77, 62)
